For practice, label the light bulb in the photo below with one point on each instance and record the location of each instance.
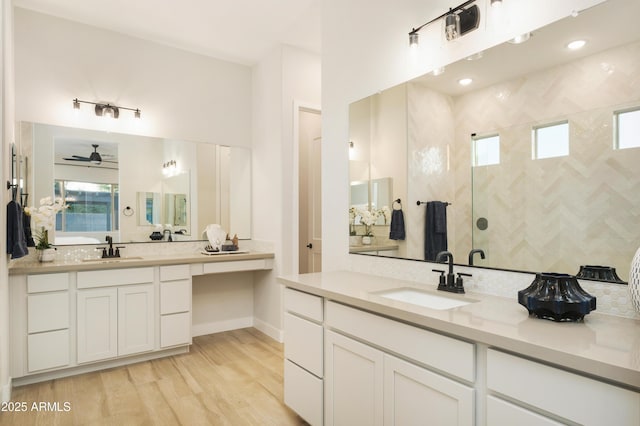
(452, 26)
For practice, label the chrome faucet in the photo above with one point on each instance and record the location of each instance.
(474, 251)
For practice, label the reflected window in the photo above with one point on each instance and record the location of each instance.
(627, 125)
(486, 150)
(551, 140)
(93, 207)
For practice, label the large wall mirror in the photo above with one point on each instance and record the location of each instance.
(130, 187)
(537, 157)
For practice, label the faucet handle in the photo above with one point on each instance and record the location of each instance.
(117, 254)
(459, 284)
(104, 251)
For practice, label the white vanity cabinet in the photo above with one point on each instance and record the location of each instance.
(48, 344)
(303, 351)
(539, 394)
(175, 305)
(115, 313)
(369, 385)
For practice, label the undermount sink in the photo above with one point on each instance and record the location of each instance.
(425, 299)
(112, 259)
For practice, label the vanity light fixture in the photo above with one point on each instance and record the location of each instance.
(438, 71)
(169, 166)
(457, 22)
(496, 3)
(106, 110)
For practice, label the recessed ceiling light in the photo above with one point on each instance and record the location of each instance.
(520, 39)
(465, 81)
(576, 44)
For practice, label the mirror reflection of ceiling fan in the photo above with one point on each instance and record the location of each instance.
(94, 158)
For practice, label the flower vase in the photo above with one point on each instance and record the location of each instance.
(634, 281)
(46, 255)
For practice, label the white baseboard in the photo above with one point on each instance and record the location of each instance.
(269, 330)
(6, 391)
(219, 326)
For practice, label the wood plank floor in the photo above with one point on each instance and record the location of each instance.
(230, 378)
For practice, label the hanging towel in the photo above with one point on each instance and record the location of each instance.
(396, 229)
(435, 239)
(16, 240)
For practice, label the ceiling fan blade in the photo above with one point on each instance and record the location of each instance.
(76, 158)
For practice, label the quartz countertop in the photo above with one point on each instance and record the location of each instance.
(602, 346)
(31, 265)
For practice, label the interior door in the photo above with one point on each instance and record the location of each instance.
(310, 198)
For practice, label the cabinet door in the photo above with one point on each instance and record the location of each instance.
(136, 326)
(97, 324)
(353, 382)
(416, 396)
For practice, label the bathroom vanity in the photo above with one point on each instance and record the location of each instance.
(69, 317)
(357, 353)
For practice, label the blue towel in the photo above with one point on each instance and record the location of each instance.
(435, 238)
(396, 229)
(16, 240)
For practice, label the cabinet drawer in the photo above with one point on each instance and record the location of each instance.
(175, 296)
(113, 277)
(548, 388)
(48, 350)
(303, 304)
(47, 282)
(235, 266)
(47, 311)
(453, 356)
(303, 393)
(175, 272)
(175, 329)
(502, 413)
(303, 343)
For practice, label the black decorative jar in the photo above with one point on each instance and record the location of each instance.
(600, 273)
(556, 297)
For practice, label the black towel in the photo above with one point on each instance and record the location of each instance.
(16, 240)
(435, 238)
(396, 229)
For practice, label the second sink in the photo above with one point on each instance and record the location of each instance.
(425, 299)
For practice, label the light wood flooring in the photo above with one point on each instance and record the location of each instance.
(230, 378)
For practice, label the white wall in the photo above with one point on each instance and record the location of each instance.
(182, 95)
(7, 132)
(286, 76)
(365, 49)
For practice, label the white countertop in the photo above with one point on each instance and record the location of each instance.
(32, 266)
(603, 346)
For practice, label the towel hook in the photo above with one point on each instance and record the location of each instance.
(397, 201)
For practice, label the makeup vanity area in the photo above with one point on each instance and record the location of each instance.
(73, 316)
